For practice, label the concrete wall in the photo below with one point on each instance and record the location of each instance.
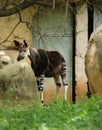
(81, 47)
(97, 15)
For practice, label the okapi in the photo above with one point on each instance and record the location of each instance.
(45, 64)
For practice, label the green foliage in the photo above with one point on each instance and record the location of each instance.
(84, 115)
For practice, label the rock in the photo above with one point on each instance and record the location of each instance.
(93, 62)
(4, 59)
(2, 53)
(17, 81)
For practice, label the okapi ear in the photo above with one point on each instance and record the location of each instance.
(17, 43)
(26, 45)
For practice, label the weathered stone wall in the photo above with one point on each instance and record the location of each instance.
(81, 47)
(21, 32)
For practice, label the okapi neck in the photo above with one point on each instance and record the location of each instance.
(33, 55)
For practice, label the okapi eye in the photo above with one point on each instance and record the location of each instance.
(24, 50)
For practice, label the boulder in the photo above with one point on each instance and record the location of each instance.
(4, 59)
(93, 62)
(17, 81)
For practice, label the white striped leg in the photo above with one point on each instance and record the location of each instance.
(41, 97)
(64, 80)
(40, 87)
(65, 92)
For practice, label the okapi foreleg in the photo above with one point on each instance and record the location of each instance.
(40, 87)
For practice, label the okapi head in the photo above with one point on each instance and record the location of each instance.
(23, 49)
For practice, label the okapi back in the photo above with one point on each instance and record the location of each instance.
(44, 62)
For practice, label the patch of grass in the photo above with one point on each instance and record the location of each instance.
(55, 116)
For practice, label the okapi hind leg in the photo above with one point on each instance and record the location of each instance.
(58, 85)
(40, 84)
(64, 80)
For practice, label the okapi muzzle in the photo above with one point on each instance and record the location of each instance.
(20, 57)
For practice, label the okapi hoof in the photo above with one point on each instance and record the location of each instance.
(42, 101)
(88, 94)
